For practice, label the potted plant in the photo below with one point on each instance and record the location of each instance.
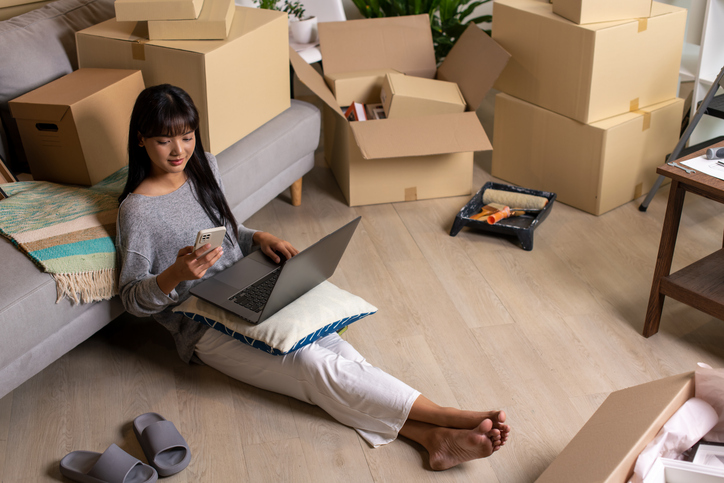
(303, 28)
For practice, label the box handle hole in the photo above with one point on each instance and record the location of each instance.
(44, 126)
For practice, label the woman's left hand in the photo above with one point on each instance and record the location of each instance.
(273, 246)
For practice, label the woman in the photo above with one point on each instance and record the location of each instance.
(174, 190)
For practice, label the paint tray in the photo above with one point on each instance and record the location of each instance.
(521, 227)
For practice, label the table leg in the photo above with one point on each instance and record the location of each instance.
(665, 256)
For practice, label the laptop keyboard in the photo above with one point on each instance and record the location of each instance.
(254, 296)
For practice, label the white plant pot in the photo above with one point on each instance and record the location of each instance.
(304, 31)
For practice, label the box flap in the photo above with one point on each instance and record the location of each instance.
(50, 101)
(630, 418)
(628, 116)
(400, 43)
(133, 10)
(311, 78)
(474, 63)
(214, 23)
(38, 112)
(442, 134)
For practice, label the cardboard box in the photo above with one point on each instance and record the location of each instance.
(410, 96)
(606, 448)
(588, 72)
(214, 23)
(593, 167)
(11, 11)
(5, 175)
(592, 11)
(357, 86)
(389, 160)
(238, 84)
(141, 10)
(75, 129)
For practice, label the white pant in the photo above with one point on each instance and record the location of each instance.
(328, 373)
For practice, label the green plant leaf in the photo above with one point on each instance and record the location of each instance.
(469, 9)
(447, 17)
(482, 19)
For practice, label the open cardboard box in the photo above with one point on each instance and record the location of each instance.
(589, 72)
(606, 448)
(389, 160)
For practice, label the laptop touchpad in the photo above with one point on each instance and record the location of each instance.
(243, 274)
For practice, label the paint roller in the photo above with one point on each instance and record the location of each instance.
(494, 212)
(516, 201)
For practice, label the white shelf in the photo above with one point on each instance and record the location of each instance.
(702, 58)
(689, 62)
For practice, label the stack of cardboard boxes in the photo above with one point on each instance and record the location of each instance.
(424, 146)
(233, 62)
(588, 106)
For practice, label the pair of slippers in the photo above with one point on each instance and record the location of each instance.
(166, 451)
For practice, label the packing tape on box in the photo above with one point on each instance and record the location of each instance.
(634, 105)
(138, 50)
(138, 47)
(411, 194)
(643, 24)
(639, 190)
(647, 119)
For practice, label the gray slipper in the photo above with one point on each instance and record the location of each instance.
(164, 447)
(113, 466)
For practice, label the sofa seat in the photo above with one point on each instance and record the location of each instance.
(250, 168)
(35, 331)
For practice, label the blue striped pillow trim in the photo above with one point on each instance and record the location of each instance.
(326, 330)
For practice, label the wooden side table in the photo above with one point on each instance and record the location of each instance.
(701, 284)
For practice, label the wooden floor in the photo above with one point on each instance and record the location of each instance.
(472, 321)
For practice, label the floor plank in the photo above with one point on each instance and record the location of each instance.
(472, 321)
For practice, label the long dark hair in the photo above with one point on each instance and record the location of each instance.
(166, 110)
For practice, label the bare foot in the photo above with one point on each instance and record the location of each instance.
(449, 447)
(472, 419)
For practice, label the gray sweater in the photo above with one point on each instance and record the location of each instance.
(150, 232)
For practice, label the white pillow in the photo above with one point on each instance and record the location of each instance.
(319, 312)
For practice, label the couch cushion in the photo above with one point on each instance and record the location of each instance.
(38, 47)
(29, 318)
(251, 163)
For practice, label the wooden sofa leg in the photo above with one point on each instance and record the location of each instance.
(297, 192)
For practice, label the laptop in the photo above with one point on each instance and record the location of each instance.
(255, 288)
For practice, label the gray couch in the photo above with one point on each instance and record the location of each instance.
(38, 47)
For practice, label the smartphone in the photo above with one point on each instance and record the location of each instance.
(215, 236)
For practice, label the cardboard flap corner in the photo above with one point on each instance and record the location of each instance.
(474, 63)
(22, 109)
(113, 29)
(400, 43)
(631, 417)
(311, 78)
(421, 136)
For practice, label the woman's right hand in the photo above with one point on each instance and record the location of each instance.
(189, 265)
